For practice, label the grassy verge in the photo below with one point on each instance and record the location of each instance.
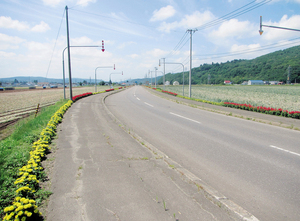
(14, 153)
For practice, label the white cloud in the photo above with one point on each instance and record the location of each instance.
(125, 44)
(134, 56)
(37, 46)
(85, 2)
(233, 28)
(189, 21)
(52, 3)
(156, 53)
(238, 48)
(163, 13)
(6, 54)
(42, 27)
(9, 42)
(277, 34)
(7, 22)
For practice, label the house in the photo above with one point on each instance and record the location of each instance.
(255, 82)
(227, 82)
(175, 83)
(245, 83)
(167, 83)
(274, 82)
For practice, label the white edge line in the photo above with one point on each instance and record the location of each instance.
(149, 104)
(185, 118)
(278, 148)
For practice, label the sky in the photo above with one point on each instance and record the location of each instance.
(137, 34)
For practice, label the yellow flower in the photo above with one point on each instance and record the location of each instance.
(9, 208)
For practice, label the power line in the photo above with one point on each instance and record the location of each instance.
(178, 45)
(240, 11)
(233, 14)
(262, 48)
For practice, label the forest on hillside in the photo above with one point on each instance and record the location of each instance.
(270, 67)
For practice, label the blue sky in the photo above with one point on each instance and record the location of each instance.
(137, 33)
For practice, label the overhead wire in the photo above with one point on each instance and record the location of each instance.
(262, 48)
(233, 14)
(240, 11)
(49, 65)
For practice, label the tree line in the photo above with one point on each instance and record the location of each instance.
(270, 67)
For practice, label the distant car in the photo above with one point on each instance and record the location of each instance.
(1, 89)
(44, 87)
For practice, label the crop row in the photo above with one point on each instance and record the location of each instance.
(249, 107)
(277, 96)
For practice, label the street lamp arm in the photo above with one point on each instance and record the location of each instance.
(63, 62)
(271, 26)
(96, 75)
(182, 74)
(290, 29)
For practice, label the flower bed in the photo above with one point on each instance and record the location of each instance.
(107, 90)
(266, 110)
(169, 92)
(77, 97)
(24, 205)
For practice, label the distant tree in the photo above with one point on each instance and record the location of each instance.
(80, 83)
(102, 83)
(85, 82)
(16, 81)
(35, 81)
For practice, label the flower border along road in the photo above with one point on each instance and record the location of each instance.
(24, 205)
(249, 107)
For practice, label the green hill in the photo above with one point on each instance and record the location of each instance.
(270, 67)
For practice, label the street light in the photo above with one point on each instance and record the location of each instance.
(63, 64)
(110, 77)
(155, 75)
(164, 70)
(96, 75)
(271, 26)
(182, 74)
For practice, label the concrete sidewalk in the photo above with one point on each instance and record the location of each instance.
(102, 173)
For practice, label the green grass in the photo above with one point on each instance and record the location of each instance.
(14, 151)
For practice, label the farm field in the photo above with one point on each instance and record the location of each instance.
(18, 100)
(286, 97)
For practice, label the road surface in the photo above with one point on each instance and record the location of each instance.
(255, 165)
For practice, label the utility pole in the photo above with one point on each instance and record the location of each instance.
(289, 75)
(164, 70)
(69, 57)
(191, 52)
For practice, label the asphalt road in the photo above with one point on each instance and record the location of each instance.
(102, 173)
(255, 165)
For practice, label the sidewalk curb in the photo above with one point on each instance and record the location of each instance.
(234, 210)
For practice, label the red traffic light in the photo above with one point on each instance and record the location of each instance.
(103, 46)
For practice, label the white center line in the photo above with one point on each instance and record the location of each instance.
(137, 98)
(278, 148)
(185, 118)
(149, 104)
